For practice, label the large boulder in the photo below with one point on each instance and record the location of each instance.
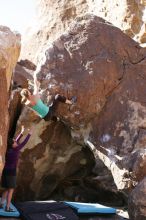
(105, 69)
(9, 53)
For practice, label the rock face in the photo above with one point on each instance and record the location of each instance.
(105, 69)
(54, 18)
(9, 44)
(137, 202)
(9, 52)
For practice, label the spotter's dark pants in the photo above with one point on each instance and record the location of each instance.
(8, 178)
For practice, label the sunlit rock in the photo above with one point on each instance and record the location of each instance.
(54, 17)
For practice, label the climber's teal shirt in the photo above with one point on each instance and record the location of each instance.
(41, 108)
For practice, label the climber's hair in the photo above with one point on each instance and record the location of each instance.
(25, 94)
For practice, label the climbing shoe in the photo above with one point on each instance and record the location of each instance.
(73, 99)
(9, 210)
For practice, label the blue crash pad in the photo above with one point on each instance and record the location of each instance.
(9, 214)
(91, 208)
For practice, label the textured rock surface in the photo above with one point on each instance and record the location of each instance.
(9, 52)
(3, 115)
(54, 18)
(137, 202)
(51, 157)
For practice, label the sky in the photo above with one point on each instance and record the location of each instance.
(17, 14)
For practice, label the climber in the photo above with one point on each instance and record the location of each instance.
(44, 111)
(8, 179)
